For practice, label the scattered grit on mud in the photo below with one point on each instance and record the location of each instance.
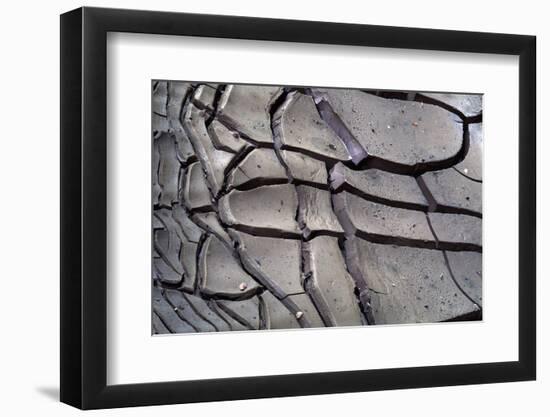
(280, 207)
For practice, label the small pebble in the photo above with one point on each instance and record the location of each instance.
(299, 315)
(243, 286)
(465, 170)
(415, 124)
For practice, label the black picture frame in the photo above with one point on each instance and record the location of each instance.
(84, 207)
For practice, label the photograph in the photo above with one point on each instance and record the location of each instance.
(289, 207)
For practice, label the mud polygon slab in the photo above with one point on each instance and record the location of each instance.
(259, 166)
(268, 210)
(410, 285)
(298, 126)
(457, 231)
(407, 133)
(168, 170)
(195, 193)
(453, 191)
(277, 316)
(303, 168)
(225, 139)
(210, 222)
(372, 220)
(246, 108)
(274, 262)
(306, 313)
(221, 274)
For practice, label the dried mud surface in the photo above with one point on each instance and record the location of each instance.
(280, 208)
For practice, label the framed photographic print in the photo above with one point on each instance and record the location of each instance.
(256, 208)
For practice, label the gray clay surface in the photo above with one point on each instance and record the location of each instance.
(286, 208)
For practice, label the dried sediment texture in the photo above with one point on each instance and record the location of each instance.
(377, 185)
(304, 169)
(268, 210)
(467, 105)
(409, 285)
(225, 139)
(407, 134)
(454, 231)
(382, 223)
(453, 192)
(329, 283)
(260, 166)
(221, 274)
(298, 126)
(288, 208)
(247, 109)
(274, 262)
(214, 162)
(315, 213)
(204, 97)
(195, 194)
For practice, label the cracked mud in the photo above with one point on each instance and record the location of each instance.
(284, 208)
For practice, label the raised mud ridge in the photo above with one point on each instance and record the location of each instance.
(281, 208)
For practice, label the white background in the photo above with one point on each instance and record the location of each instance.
(29, 215)
(130, 69)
